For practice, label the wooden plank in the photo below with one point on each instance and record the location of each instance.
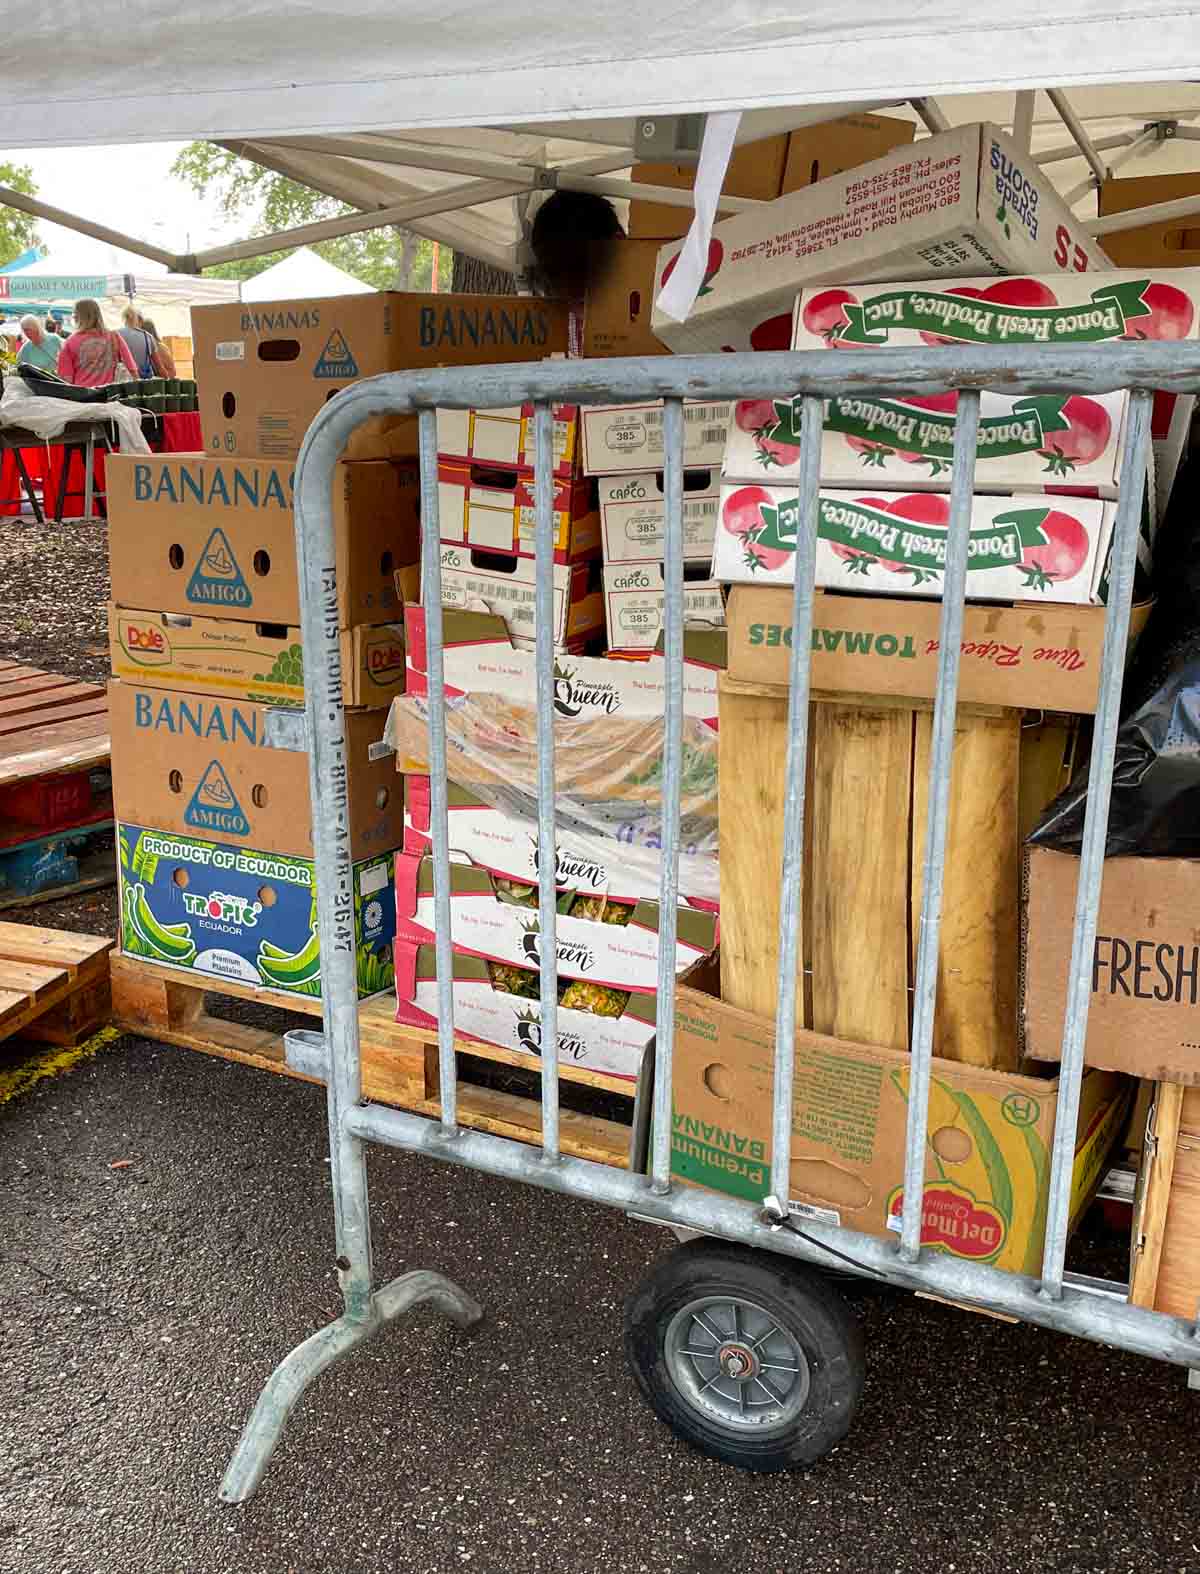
(856, 915)
(83, 1011)
(1047, 758)
(12, 726)
(80, 955)
(1177, 1291)
(53, 699)
(976, 1018)
(34, 980)
(34, 683)
(753, 731)
(1151, 1220)
(68, 746)
(14, 1008)
(768, 691)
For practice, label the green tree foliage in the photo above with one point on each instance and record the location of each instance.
(18, 232)
(267, 202)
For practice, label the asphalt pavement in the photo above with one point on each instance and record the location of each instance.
(143, 1305)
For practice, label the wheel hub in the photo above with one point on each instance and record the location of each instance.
(738, 1362)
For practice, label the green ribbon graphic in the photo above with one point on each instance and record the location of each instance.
(999, 544)
(930, 433)
(969, 320)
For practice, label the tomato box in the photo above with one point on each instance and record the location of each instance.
(200, 764)
(624, 439)
(504, 583)
(610, 1045)
(633, 517)
(1040, 657)
(251, 661)
(633, 604)
(962, 203)
(231, 913)
(505, 438)
(505, 845)
(597, 938)
(495, 511)
(1023, 548)
(987, 1153)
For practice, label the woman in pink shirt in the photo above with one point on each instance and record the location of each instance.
(90, 357)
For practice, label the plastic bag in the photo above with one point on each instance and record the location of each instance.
(1155, 809)
(49, 418)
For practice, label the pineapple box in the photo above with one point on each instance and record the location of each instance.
(1046, 440)
(598, 939)
(987, 1154)
(233, 914)
(598, 1029)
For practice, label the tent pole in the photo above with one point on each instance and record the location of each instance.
(1134, 146)
(1022, 126)
(679, 197)
(1068, 150)
(1075, 126)
(71, 221)
(409, 155)
(466, 196)
(930, 112)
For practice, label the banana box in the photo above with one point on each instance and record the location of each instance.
(231, 913)
(987, 1154)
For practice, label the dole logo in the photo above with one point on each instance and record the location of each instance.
(385, 658)
(953, 1220)
(146, 642)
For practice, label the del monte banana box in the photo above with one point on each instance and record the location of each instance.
(215, 537)
(200, 766)
(252, 661)
(234, 913)
(987, 1164)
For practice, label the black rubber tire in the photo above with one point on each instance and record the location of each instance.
(800, 1299)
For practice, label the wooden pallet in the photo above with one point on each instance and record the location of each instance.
(49, 723)
(1166, 1227)
(52, 984)
(399, 1064)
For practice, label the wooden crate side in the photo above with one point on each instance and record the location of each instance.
(857, 875)
(1154, 1201)
(753, 732)
(976, 1021)
(1178, 1287)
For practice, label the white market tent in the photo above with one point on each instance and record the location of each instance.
(302, 276)
(448, 120)
(57, 282)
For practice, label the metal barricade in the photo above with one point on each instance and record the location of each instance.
(334, 1055)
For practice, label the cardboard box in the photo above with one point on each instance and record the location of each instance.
(264, 370)
(231, 913)
(817, 152)
(894, 544)
(623, 439)
(989, 1135)
(216, 537)
(590, 947)
(1165, 1242)
(504, 584)
(196, 765)
(755, 171)
(1027, 442)
(1146, 967)
(633, 515)
(506, 845)
(610, 1045)
(495, 511)
(1040, 657)
(633, 604)
(963, 203)
(1173, 244)
(250, 661)
(616, 313)
(505, 439)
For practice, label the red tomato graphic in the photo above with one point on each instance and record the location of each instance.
(741, 516)
(716, 256)
(757, 416)
(824, 314)
(1170, 316)
(1084, 440)
(1062, 557)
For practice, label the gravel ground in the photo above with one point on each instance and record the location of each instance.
(54, 595)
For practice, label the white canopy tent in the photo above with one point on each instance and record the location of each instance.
(167, 297)
(495, 104)
(302, 276)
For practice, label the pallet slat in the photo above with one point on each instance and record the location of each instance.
(79, 954)
(32, 979)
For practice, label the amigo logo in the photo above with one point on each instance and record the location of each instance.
(214, 805)
(216, 579)
(573, 695)
(223, 908)
(336, 359)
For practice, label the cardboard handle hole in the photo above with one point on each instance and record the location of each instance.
(180, 877)
(175, 555)
(952, 1144)
(383, 798)
(228, 406)
(267, 895)
(262, 563)
(279, 350)
(719, 1081)
(175, 781)
(386, 565)
(258, 796)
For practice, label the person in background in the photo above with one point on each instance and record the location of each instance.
(90, 357)
(41, 348)
(140, 343)
(161, 358)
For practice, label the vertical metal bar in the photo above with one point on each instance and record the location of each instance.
(439, 828)
(966, 433)
(807, 519)
(547, 858)
(668, 887)
(329, 796)
(1122, 565)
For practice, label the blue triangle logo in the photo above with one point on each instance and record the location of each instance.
(335, 359)
(216, 579)
(214, 806)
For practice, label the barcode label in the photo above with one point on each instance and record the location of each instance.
(713, 434)
(497, 590)
(706, 412)
(705, 508)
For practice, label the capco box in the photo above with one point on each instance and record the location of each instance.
(265, 370)
(217, 536)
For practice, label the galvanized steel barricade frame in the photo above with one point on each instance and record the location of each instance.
(334, 1055)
